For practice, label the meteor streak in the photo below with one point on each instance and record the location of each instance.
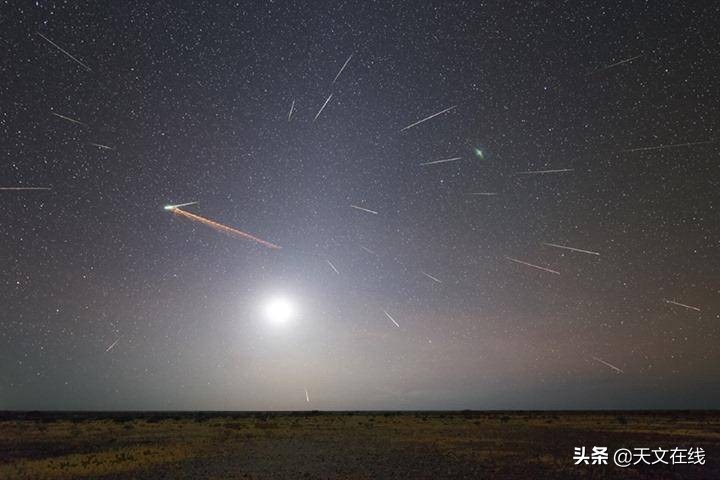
(368, 250)
(427, 118)
(364, 209)
(690, 307)
(69, 119)
(113, 345)
(446, 160)
(486, 194)
(571, 248)
(24, 188)
(307, 396)
(292, 108)
(220, 227)
(332, 266)
(431, 277)
(662, 147)
(540, 172)
(100, 146)
(607, 364)
(63, 51)
(614, 65)
(172, 207)
(342, 68)
(322, 108)
(391, 318)
(533, 266)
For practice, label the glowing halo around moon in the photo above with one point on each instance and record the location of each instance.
(278, 311)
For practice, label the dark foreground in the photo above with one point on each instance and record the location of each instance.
(350, 445)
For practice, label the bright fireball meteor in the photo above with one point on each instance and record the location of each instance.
(218, 226)
(173, 207)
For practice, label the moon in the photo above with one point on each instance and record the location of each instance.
(279, 311)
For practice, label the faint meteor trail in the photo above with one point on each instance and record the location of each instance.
(427, 118)
(571, 248)
(342, 68)
(662, 147)
(113, 345)
(614, 65)
(431, 277)
(100, 146)
(445, 160)
(307, 396)
(689, 307)
(322, 108)
(292, 107)
(540, 172)
(485, 194)
(24, 188)
(69, 119)
(222, 228)
(533, 266)
(65, 52)
(364, 209)
(391, 318)
(607, 364)
(368, 250)
(332, 266)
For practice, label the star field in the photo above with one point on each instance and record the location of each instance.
(111, 302)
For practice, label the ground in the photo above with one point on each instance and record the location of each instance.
(347, 445)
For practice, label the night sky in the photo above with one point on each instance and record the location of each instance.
(109, 301)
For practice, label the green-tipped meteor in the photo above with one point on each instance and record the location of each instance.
(173, 207)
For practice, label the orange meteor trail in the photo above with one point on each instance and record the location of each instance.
(223, 228)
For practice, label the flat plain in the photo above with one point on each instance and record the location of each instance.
(347, 445)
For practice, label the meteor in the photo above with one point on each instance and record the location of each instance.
(322, 108)
(233, 232)
(431, 277)
(662, 147)
(368, 250)
(24, 188)
(614, 65)
(332, 266)
(100, 146)
(540, 172)
(533, 266)
(69, 119)
(173, 207)
(63, 51)
(292, 108)
(607, 364)
(113, 345)
(484, 194)
(364, 209)
(427, 118)
(689, 307)
(446, 160)
(342, 68)
(571, 248)
(307, 396)
(391, 318)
